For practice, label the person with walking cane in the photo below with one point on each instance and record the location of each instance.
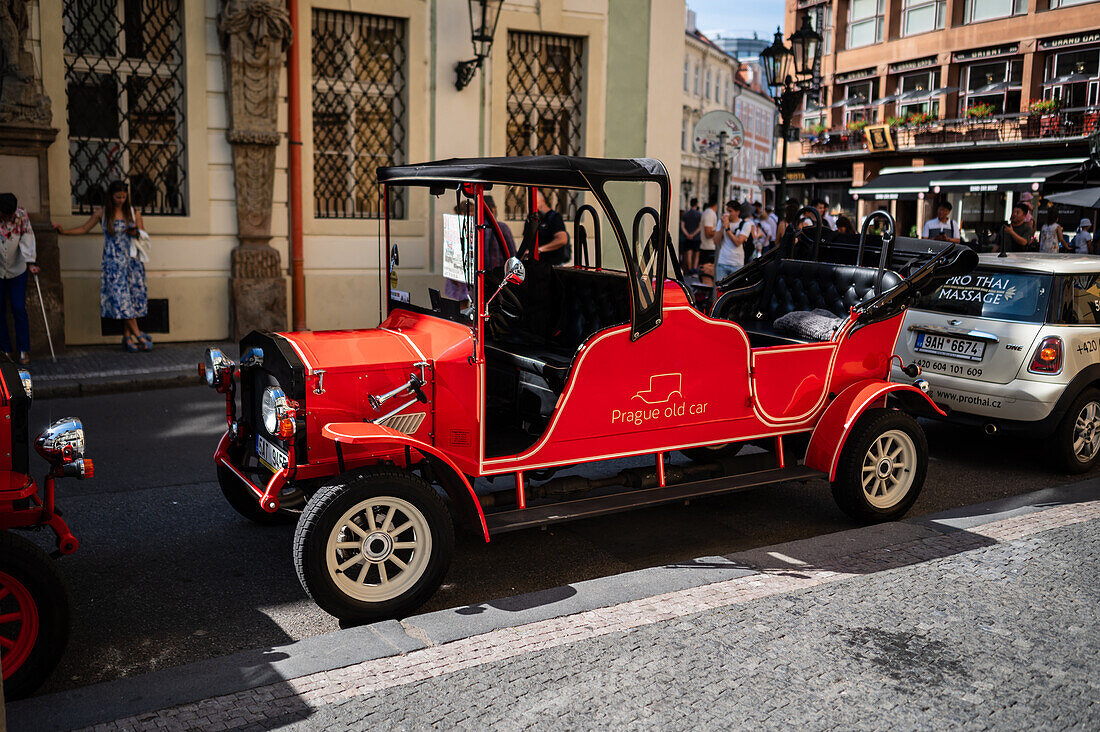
(17, 257)
(122, 290)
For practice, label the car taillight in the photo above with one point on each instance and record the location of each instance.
(1048, 356)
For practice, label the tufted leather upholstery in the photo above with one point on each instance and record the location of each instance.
(787, 285)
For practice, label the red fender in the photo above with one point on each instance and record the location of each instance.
(380, 436)
(823, 452)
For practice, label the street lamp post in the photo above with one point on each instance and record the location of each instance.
(787, 88)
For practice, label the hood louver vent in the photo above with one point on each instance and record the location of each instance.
(407, 423)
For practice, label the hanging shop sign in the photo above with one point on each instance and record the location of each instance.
(1079, 39)
(920, 63)
(878, 138)
(980, 53)
(854, 75)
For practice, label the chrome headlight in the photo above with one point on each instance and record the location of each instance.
(62, 441)
(28, 387)
(274, 410)
(215, 367)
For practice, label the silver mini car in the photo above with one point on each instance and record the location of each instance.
(1014, 344)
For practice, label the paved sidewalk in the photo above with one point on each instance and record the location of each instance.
(978, 618)
(84, 370)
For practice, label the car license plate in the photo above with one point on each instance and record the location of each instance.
(964, 348)
(271, 456)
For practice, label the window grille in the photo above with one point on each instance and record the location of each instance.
(125, 89)
(359, 112)
(545, 115)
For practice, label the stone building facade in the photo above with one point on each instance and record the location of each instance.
(188, 101)
(714, 80)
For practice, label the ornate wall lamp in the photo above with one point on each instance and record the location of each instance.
(484, 15)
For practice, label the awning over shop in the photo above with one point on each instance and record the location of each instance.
(896, 183)
(1019, 176)
(994, 175)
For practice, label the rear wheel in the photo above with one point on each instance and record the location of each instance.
(245, 502)
(882, 467)
(374, 547)
(34, 615)
(1075, 447)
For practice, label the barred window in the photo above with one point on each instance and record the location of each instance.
(124, 79)
(359, 104)
(545, 116)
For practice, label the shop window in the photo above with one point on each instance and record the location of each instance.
(359, 112)
(1073, 77)
(997, 83)
(914, 84)
(544, 102)
(864, 22)
(922, 16)
(860, 94)
(125, 86)
(976, 11)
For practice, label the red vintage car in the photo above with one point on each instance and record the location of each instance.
(504, 366)
(34, 605)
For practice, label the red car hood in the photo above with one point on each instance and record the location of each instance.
(338, 349)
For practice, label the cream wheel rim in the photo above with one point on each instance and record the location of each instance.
(378, 549)
(1086, 432)
(888, 469)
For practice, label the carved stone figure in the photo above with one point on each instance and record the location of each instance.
(255, 35)
(21, 96)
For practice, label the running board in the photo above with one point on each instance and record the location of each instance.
(553, 513)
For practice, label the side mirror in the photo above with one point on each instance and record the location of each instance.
(514, 273)
(62, 441)
(394, 258)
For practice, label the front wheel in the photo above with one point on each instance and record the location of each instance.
(34, 615)
(374, 547)
(1075, 446)
(882, 467)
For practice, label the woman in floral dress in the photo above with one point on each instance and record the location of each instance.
(122, 291)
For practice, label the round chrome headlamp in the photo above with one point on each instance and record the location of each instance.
(67, 432)
(28, 387)
(273, 409)
(215, 366)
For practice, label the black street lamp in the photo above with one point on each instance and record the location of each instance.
(787, 90)
(484, 15)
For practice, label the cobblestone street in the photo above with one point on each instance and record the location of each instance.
(992, 626)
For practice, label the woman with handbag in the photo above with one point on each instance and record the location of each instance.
(122, 290)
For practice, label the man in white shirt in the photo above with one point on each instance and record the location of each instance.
(943, 227)
(731, 255)
(711, 231)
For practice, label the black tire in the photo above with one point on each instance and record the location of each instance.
(346, 593)
(1061, 449)
(713, 452)
(31, 578)
(244, 501)
(904, 479)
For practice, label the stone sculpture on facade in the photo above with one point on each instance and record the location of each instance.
(21, 96)
(255, 35)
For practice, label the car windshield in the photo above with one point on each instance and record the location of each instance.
(989, 293)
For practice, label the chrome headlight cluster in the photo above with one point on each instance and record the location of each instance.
(277, 413)
(28, 387)
(216, 368)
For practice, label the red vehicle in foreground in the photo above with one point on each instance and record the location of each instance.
(34, 606)
(506, 367)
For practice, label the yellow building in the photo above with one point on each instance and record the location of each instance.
(139, 92)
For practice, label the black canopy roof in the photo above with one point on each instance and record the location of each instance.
(559, 171)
